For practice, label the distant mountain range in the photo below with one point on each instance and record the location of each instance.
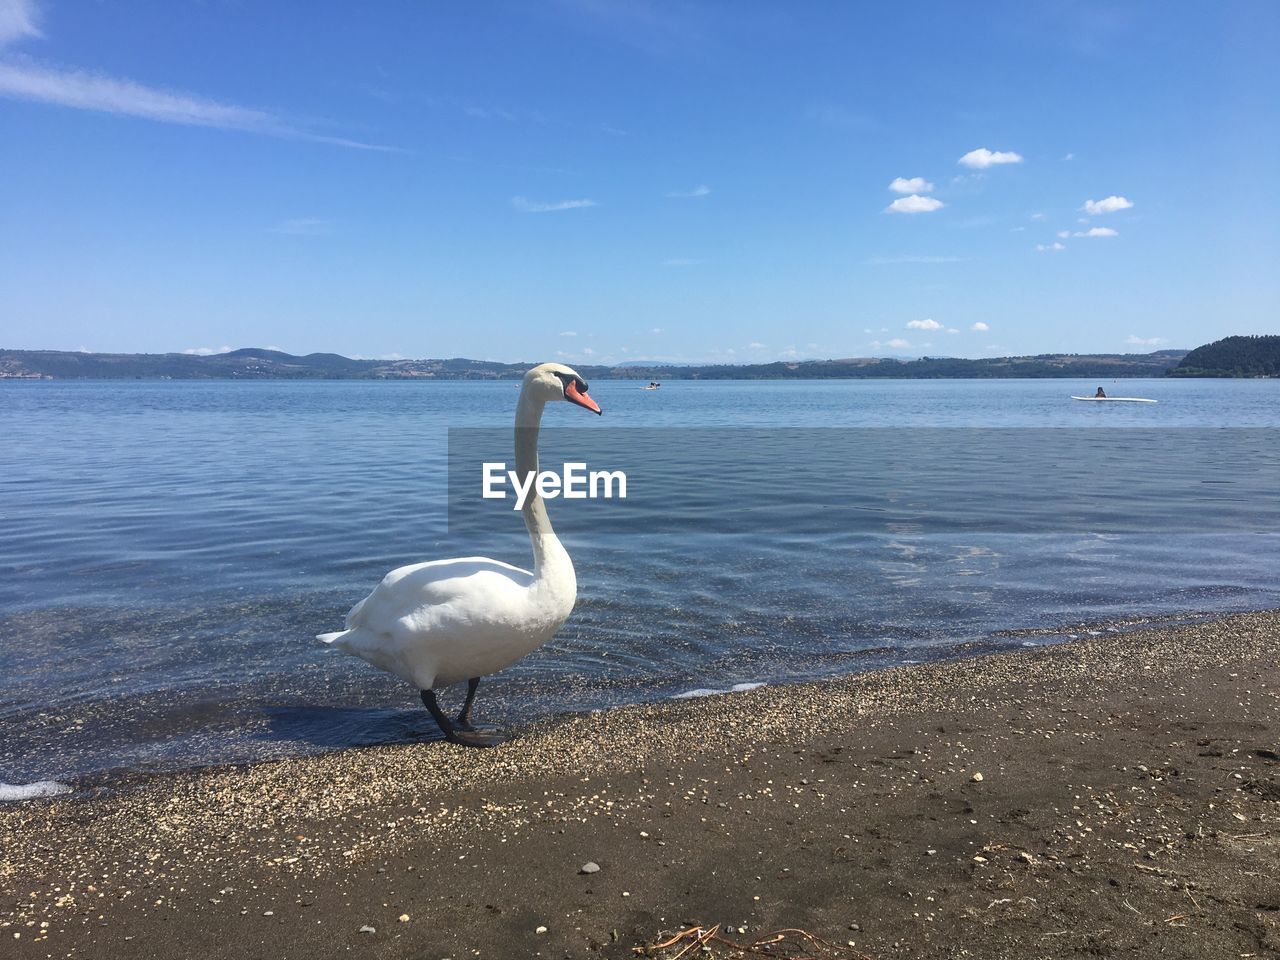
(258, 364)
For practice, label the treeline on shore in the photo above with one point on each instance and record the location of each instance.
(259, 364)
(1240, 356)
(1256, 356)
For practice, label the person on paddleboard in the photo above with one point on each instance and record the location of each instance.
(1100, 395)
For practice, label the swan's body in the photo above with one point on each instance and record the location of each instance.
(444, 621)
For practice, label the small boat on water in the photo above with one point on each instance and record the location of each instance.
(1117, 399)
(653, 385)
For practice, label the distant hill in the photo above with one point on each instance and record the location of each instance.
(1233, 357)
(258, 364)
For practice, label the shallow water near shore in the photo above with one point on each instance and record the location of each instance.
(169, 550)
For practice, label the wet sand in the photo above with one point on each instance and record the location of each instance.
(1112, 796)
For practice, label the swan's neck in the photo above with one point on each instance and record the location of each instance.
(551, 564)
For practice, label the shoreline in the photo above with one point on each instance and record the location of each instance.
(99, 782)
(842, 802)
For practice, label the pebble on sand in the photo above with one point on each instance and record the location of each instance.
(590, 867)
(977, 777)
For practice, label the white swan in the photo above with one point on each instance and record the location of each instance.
(445, 621)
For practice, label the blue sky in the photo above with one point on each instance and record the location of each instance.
(599, 180)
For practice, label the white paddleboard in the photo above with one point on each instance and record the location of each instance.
(1118, 399)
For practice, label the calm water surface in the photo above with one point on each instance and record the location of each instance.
(169, 549)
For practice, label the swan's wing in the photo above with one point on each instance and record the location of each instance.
(465, 587)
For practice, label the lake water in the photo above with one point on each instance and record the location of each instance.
(169, 549)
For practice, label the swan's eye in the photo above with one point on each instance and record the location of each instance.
(582, 386)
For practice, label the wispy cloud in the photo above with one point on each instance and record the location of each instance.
(898, 343)
(1095, 232)
(17, 20)
(1054, 247)
(22, 78)
(980, 327)
(1137, 341)
(1110, 205)
(914, 204)
(568, 333)
(533, 206)
(701, 190)
(205, 351)
(912, 185)
(982, 158)
(923, 325)
(909, 258)
(304, 227)
(838, 117)
(659, 29)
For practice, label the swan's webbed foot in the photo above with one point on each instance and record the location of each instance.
(475, 738)
(460, 731)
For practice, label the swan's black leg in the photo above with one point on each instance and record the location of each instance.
(464, 716)
(467, 738)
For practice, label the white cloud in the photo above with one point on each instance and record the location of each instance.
(923, 325)
(952, 330)
(1054, 247)
(17, 20)
(914, 204)
(656, 330)
(755, 345)
(1137, 341)
(701, 190)
(1069, 156)
(1110, 205)
(980, 327)
(982, 158)
(1037, 216)
(205, 351)
(532, 206)
(1063, 234)
(1095, 232)
(304, 227)
(24, 79)
(898, 343)
(587, 352)
(569, 333)
(913, 185)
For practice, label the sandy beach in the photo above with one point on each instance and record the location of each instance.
(1118, 795)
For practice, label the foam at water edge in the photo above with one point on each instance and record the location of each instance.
(28, 791)
(705, 692)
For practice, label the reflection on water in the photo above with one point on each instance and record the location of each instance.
(168, 551)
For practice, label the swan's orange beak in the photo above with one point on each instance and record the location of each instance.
(573, 395)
